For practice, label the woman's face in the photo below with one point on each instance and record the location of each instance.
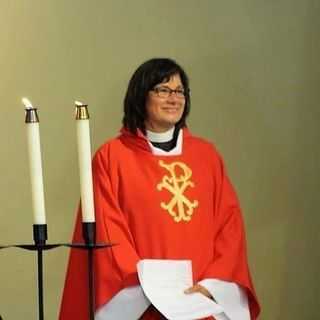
(164, 112)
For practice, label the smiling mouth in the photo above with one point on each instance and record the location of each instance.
(171, 109)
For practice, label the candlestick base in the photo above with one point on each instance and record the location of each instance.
(40, 234)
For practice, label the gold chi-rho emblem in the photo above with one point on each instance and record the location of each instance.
(179, 207)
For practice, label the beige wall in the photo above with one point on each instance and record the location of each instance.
(254, 69)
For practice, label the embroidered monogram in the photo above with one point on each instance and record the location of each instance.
(179, 207)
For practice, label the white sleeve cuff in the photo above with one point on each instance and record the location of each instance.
(230, 296)
(128, 304)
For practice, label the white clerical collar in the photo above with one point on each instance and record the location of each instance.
(160, 136)
(177, 150)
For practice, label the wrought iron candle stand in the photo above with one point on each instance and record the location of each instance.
(40, 237)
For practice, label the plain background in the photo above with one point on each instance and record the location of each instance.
(254, 70)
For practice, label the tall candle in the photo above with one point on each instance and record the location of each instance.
(35, 165)
(84, 157)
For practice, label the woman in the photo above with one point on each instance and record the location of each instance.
(161, 193)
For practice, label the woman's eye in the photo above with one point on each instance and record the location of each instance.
(164, 90)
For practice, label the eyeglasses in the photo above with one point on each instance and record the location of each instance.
(165, 92)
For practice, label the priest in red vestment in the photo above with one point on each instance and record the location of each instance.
(161, 193)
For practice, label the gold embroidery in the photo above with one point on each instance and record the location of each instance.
(177, 183)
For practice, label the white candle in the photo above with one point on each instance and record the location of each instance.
(34, 152)
(84, 157)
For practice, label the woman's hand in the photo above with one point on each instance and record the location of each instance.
(199, 288)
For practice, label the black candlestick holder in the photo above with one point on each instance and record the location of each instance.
(89, 236)
(40, 237)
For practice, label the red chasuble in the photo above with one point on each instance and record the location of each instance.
(159, 207)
